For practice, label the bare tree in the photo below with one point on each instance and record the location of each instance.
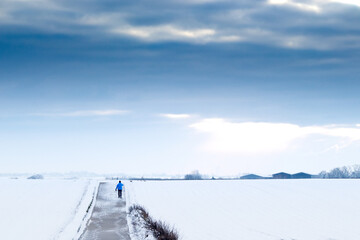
(194, 175)
(344, 172)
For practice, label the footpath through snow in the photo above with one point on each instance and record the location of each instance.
(108, 220)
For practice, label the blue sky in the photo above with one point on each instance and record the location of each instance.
(142, 87)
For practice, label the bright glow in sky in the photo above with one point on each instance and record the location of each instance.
(264, 138)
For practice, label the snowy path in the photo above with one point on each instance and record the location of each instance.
(108, 220)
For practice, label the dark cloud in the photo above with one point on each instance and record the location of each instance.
(294, 24)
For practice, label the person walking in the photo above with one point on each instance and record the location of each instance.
(119, 188)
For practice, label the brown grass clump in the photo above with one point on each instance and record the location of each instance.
(159, 229)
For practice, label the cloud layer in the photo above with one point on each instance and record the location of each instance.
(175, 116)
(299, 24)
(86, 113)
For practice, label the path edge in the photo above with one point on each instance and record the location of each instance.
(88, 214)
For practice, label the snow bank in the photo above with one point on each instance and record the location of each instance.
(254, 209)
(137, 227)
(43, 210)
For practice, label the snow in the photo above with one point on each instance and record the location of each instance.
(307, 209)
(44, 209)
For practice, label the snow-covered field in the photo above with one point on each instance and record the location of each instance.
(43, 209)
(311, 209)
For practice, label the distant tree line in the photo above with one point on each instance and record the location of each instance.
(194, 175)
(343, 172)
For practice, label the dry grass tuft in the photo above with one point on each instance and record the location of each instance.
(159, 229)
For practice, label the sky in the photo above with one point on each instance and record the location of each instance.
(167, 87)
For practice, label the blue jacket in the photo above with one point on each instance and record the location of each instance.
(119, 186)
